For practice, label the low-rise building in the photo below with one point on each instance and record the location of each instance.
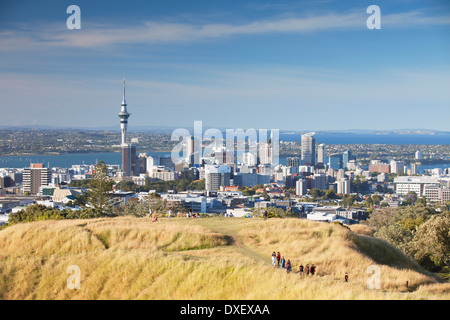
(439, 194)
(417, 184)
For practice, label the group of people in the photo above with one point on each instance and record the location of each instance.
(170, 214)
(279, 261)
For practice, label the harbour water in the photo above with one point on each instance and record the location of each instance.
(114, 158)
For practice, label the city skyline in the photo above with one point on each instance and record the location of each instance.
(237, 65)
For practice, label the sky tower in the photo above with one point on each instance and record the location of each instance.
(123, 116)
(128, 150)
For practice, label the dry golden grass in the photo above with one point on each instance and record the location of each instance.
(362, 229)
(208, 258)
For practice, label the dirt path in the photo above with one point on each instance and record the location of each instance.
(230, 229)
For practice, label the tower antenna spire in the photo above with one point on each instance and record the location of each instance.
(124, 86)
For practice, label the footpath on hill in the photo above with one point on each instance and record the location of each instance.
(230, 230)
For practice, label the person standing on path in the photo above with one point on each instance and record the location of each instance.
(301, 271)
(288, 266)
(278, 258)
(283, 262)
(313, 269)
(307, 269)
(346, 277)
(274, 258)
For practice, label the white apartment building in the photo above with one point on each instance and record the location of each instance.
(405, 184)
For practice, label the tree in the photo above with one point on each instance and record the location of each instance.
(147, 182)
(197, 185)
(133, 207)
(417, 231)
(349, 199)
(272, 212)
(330, 194)
(359, 186)
(369, 202)
(432, 242)
(156, 204)
(411, 198)
(380, 218)
(376, 199)
(315, 193)
(83, 183)
(126, 186)
(422, 200)
(81, 200)
(98, 195)
(397, 236)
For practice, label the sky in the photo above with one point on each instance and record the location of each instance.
(288, 65)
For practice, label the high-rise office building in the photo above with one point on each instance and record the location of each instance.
(415, 168)
(192, 152)
(397, 167)
(343, 186)
(35, 177)
(249, 159)
(321, 153)
(346, 157)
(142, 163)
(308, 149)
(265, 152)
(129, 166)
(301, 187)
(217, 176)
(319, 181)
(293, 162)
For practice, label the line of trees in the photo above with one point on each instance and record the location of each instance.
(98, 201)
(183, 184)
(419, 231)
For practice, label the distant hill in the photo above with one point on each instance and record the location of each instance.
(169, 129)
(204, 258)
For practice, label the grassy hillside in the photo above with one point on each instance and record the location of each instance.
(207, 258)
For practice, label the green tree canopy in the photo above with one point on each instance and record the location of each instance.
(99, 195)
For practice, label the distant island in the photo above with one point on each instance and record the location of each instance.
(364, 143)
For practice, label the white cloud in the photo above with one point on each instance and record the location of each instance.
(151, 32)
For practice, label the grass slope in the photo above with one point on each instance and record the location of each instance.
(208, 258)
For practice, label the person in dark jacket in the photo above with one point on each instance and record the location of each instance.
(301, 270)
(288, 266)
(313, 269)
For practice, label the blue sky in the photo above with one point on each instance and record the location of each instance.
(300, 65)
